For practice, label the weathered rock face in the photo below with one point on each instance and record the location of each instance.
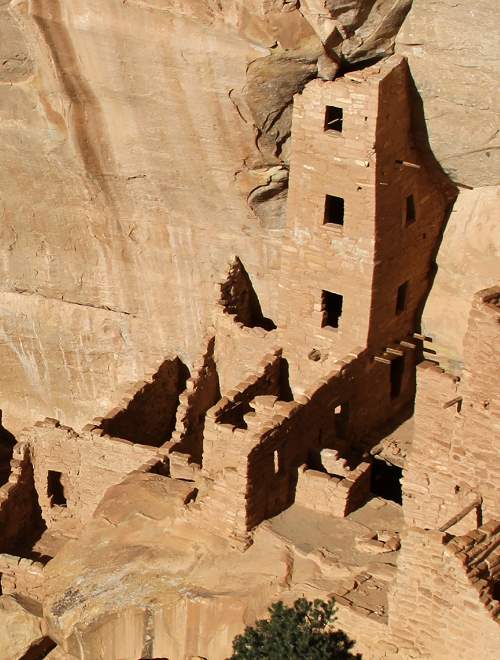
(119, 206)
(20, 631)
(356, 30)
(467, 260)
(143, 142)
(452, 49)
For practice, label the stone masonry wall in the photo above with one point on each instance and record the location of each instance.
(363, 216)
(332, 494)
(18, 514)
(453, 459)
(435, 608)
(21, 576)
(201, 393)
(89, 463)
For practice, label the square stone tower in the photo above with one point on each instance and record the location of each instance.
(364, 215)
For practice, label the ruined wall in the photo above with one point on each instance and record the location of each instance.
(20, 520)
(435, 607)
(252, 451)
(333, 494)
(88, 464)
(453, 459)
(148, 416)
(21, 576)
(201, 393)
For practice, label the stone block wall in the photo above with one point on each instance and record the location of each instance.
(147, 415)
(478, 438)
(21, 576)
(18, 511)
(332, 494)
(431, 492)
(87, 463)
(201, 393)
(454, 459)
(435, 607)
(363, 215)
(410, 215)
(238, 349)
(330, 257)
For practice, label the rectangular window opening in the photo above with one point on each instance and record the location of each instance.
(341, 420)
(411, 213)
(334, 211)
(334, 118)
(401, 298)
(331, 305)
(55, 488)
(397, 371)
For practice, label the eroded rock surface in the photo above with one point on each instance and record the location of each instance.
(468, 259)
(452, 49)
(21, 630)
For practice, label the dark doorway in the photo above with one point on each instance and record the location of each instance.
(397, 371)
(411, 213)
(331, 304)
(334, 211)
(55, 488)
(385, 481)
(334, 118)
(401, 298)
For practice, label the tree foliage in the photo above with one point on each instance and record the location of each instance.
(301, 632)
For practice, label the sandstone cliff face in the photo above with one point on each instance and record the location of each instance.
(144, 142)
(467, 260)
(452, 49)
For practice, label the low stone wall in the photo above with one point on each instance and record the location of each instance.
(331, 494)
(147, 413)
(86, 463)
(21, 576)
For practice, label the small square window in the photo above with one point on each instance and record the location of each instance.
(334, 118)
(331, 305)
(401, 298)
(334, 211)
(411, 212)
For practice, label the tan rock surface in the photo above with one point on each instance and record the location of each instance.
(143, 142)
(143, 581)
(119, 209)
(453, 53)
(19, 629)
(468, 260)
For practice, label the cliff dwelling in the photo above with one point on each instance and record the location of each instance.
(250, 328)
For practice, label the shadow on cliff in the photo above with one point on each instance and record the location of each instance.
(7, 442)
(449, 190)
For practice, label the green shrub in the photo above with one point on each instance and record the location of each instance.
(301, 632)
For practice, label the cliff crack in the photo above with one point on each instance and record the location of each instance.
(106, 308)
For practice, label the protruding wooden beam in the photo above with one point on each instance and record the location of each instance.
(453, 402)
(394, 350)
